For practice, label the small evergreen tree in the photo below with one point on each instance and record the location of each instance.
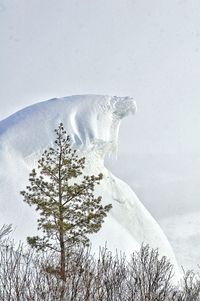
(64, 198)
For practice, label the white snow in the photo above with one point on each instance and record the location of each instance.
(93, 122)
(184, 233)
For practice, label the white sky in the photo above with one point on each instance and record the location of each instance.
(147, 49)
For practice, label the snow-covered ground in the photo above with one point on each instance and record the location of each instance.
(93, 123)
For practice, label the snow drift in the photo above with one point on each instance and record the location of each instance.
(93, 123)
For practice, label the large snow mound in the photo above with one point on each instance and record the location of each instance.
(93, 123)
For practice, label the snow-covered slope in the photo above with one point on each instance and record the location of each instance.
(93, 122)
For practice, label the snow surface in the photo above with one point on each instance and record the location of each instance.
(93, 122)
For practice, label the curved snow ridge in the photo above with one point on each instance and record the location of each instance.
(91, 120)
(93, 123)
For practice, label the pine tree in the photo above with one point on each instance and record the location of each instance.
(64, 198)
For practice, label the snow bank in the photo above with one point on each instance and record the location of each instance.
(93, 122)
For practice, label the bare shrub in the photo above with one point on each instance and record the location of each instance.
(190, 287)
(110, 278)
(149, 276)
(27, 275)
(4, 231)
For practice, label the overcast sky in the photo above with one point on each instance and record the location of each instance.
(147, 49)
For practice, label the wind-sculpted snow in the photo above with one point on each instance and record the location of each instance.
(93, 123)
(90, 120)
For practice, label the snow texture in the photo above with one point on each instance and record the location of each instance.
(93, 123)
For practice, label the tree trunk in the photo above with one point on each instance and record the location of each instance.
(62, 257)
(61, 230)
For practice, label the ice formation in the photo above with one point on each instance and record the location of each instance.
(93, 123)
